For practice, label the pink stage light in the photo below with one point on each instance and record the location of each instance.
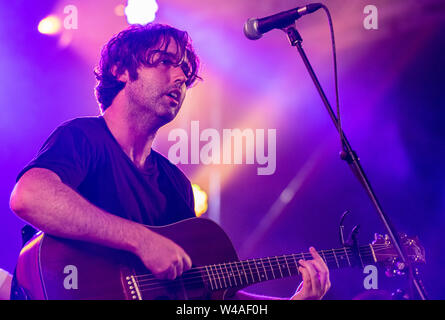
(141, 11)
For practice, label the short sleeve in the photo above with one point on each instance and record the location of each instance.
(67, 152)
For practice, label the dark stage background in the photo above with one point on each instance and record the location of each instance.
(392, 105)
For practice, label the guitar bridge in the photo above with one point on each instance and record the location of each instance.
(133, 288)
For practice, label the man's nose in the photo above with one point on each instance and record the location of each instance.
(178, 75)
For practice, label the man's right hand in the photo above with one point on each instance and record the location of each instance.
(44, 201)
(164, 258)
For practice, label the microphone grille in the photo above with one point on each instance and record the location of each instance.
(251, 29)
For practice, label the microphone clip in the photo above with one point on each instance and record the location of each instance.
(293, 35)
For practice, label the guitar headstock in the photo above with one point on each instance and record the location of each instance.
(385, 253)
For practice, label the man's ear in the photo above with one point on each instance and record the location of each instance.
(123, 77)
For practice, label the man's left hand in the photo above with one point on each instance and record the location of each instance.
(315, 275)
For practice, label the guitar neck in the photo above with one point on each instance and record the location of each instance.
(247, 272)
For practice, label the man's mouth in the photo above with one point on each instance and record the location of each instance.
(175, 95)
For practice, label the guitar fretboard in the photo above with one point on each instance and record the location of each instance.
(247, 272)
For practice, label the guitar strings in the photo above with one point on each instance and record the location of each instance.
(207, 282)
(199, 270)
(219, 283)
(305, 256)
(149, 282)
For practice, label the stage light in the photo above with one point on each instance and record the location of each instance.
(50, 25)
(141, 11)
(200, 197)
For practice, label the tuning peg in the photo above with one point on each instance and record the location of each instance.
(378, 236)
(397, 269)
(393, 273)
(400, 266)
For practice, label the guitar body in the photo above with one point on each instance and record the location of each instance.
(59, 269)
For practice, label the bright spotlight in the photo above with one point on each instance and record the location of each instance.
(50, 25)
(141, 11)
(200, 197)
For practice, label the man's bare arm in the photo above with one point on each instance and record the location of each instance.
(43, 200)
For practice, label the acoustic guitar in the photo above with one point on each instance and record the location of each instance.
(60, 269)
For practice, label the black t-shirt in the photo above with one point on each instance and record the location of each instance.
(86, 157)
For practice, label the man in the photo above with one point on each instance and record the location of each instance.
(98, 179)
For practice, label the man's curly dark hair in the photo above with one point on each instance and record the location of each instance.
(141, 45)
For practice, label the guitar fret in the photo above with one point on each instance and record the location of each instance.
(344, 257)
(335, 257)
(288, 269)
(347, 256)
(373, 253)
(257, 270)
(264, 274)
(210, 278)
(324, 257)
(217, 277)
(250, 270)
(239, 274)
(228, 275)
(219, 280)
(270, 264)
(279, 268)
(296, 264)
(245, 273)
(264, 268)
(223, 277)
(214, 277)
(233, 274)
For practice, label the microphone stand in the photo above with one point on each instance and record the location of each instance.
(349, 155)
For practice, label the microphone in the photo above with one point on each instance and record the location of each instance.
(255, 28)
